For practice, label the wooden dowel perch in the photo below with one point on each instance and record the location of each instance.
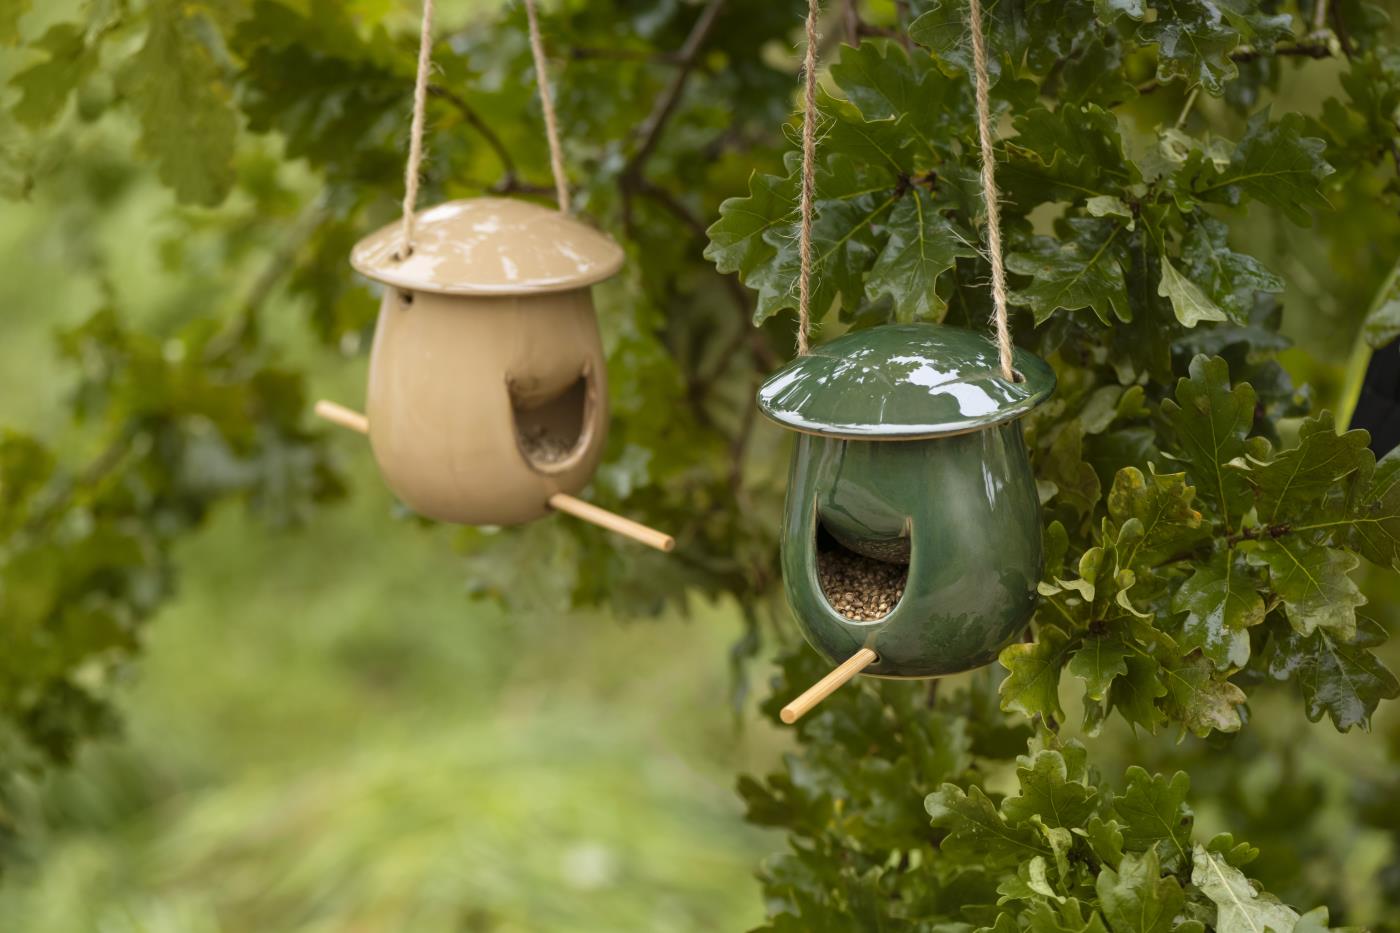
(340, 415)
(827, 685)
(611, 521)
(560, 502)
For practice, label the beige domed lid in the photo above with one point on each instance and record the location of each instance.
(490, 246)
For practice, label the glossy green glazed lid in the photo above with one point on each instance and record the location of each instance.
(903, 382)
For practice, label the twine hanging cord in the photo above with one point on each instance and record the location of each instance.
(989, 187)
(413, 167)
(809, 153)
(415, 133)
(551, 124)
(989, 191)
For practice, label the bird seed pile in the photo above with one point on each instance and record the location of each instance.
(859, 588)
(541, 446)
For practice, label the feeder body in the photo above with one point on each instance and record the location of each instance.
(462, 386)
(964, 511)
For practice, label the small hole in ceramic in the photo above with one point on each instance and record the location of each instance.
(862, 585)
(405, 298)
(550, 430)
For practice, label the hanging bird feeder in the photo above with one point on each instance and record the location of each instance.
(911, 540)
(487, 385)
(910, 474)
(487, 399)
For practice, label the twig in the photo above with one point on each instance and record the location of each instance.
(879, 32)
(475, 121)
(739, 446)
(1255, 534)
(1309, 49)
(585, 53)
(1339, 26)
(901, 19)
(1186, 107)
(267, 280)
(1312, 48)
(650, 130)
(107, 461)
(851, 14)
(1319, 20)
(673, 204)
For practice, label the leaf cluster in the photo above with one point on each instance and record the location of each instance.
(1037, 843)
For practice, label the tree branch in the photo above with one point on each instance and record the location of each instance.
(1310, 48)
(508, 172)
(581, 53)
(650, 130)
(1317, 47)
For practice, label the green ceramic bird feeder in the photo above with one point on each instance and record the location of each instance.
(910, 464)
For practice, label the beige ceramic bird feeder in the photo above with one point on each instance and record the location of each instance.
(488, 396)
(487, 399)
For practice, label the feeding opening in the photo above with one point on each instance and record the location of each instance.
(860, 587)
(553, 431)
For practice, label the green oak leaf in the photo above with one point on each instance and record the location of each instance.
(757, 237)
(185, 106)
(1095, 73)
(1068, 476)
(738, 239)
(1189, 302)
(1299, 476)
(1154, 816)
(1239, 907)
(977, 830)
(1105, 838)
(1342, 678)
(1068, 154)
(1274, 164)
(1108, 11)
(1083, 270)
(1063, 915)
(1162, 503)
(44, 87)
(1032, 683)
(1137, 898)
(1237, 854)
(334, 93)
(1230, 280)
(1201, 702)
(1194, 41)
(1221, 601)
(886, 83)
(941, 29)
(1210, 420)
(881, 146)
(1374, 529)
(1314, 583)
(1049, 792)
(1098, 662)
(1135, 693)
(843, 245)
(1106, 205)
(1316, 921)
(922, 245)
